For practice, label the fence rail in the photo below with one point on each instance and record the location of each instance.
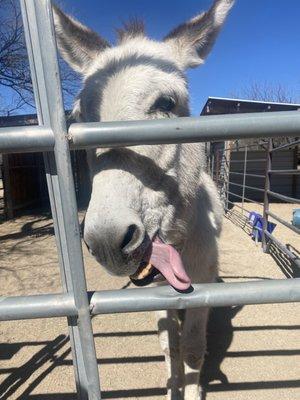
(246, 174)
(223, 176)
(175, 130)
(150, 299)
(55, 140)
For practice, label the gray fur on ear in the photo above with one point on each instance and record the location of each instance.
(193, 40)
(77, 44)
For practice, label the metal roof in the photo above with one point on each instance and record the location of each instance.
(22, 120)
(219, 105)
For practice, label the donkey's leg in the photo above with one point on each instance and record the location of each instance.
(193, 347)
(169, 336)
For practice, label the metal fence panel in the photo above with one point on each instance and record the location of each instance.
(52, 135)
(41, 45)
(224, 183)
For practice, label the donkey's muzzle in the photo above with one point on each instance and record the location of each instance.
(116, 242)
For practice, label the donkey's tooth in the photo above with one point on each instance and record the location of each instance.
(142, 272)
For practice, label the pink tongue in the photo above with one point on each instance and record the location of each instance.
(168, 262)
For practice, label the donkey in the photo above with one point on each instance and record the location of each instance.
(154, 214)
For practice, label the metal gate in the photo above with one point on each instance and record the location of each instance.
(55, 140)
(246, 174)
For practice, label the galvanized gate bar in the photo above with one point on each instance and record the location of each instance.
(247, 187)
(175, 130)
(250, 175)
(26, 138)
(150, 299)
(285, 171)
(208, 294)
(52, 134)
(37, 306)
(41, 45)
(283, 197)
(246, 198)
(283, 222)
(178, 130)
(252, 160)
(287, 145)
(267, 238)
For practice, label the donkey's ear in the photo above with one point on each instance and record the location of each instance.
(193, 40)
(77, 44)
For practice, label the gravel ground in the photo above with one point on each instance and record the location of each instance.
(254, 351)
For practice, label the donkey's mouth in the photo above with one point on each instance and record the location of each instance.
(164, 259)
(144, 275)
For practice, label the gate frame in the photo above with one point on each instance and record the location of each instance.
(55, 140)
(223, 182)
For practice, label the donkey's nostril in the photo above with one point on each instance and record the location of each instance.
(113, 240)
(132, 235)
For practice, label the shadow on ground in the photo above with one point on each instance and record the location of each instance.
(239, 220)
(220, 335)
(29, 229)
(287, 266)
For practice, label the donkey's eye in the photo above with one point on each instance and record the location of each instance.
(164, 103)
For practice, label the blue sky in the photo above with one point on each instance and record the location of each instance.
(259, 43)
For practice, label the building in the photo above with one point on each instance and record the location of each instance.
(234, 154)
(23, 177)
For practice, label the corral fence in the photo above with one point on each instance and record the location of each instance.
(259, 173)
(55, 140)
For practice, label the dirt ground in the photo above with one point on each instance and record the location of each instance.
(253, 351)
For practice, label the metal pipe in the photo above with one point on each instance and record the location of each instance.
(252, 160)
(227, 170)
(179, 130)
(250, 175)
(41, 45)
(284, 198)
(207, 294)
(247, 187)
(285, 171)
(283, 222)
(39, 306)
(284, 146)
(26, 139)
(268, 166)
(175, 130)
(246, 198)
(244, 178)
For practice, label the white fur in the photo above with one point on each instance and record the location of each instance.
(161, 189)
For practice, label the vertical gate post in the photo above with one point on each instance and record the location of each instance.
(227, 170)
(40, 40)
(266, 194)
(244, 177)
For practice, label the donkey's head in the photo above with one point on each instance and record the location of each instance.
(137, 194)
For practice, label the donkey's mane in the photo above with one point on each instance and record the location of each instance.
(130, 29)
